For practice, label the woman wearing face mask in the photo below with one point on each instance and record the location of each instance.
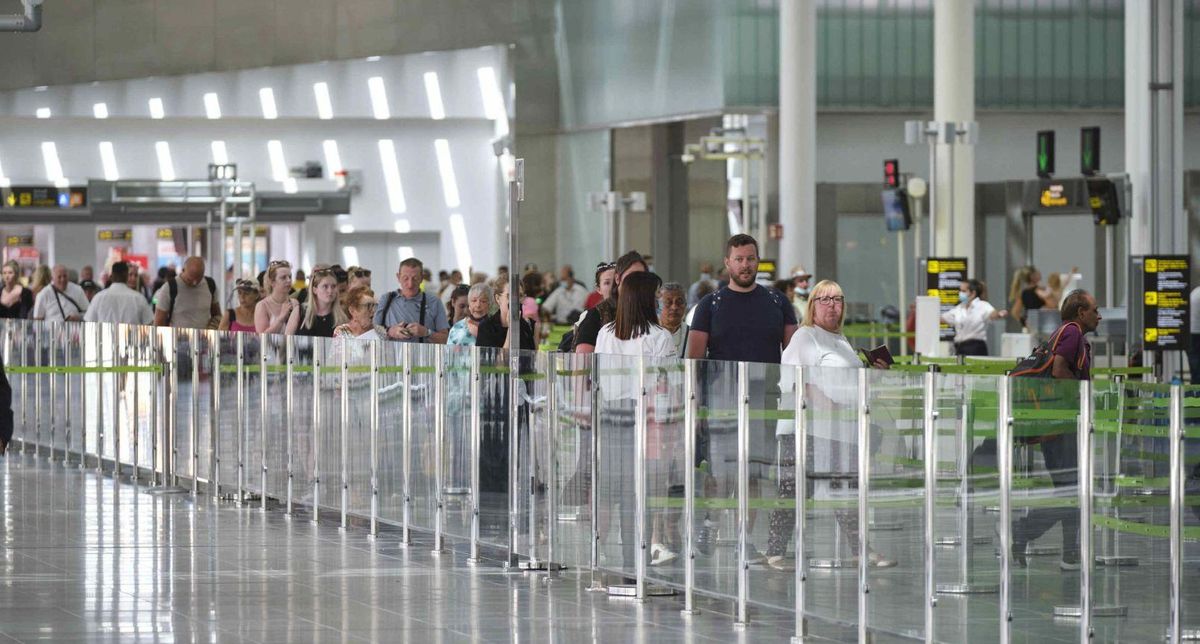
(466, 329)
(970, 319)
(799, 295)
(278, 312)
(322, 314)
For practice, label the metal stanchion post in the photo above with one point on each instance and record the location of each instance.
(68, 390)
(514, 484)
(115, 339)
(1175, 627)
(239, 424)
(800, 489)
(343, 426)
(742, 614)
(133, 381)
(374, 439)
(534, 562)
(1086, 561)
(54, 335)
(930, 439)
(290, 406)
(476, 410)
(406, 445)
(594, 474)
(194, 337)
(318, 431)
(37, 391)
(166, 454)
(864, 481)
(263, 419)
(639, 481)
(214, 416)
(689, 487)
(439, 449)
(552, 563)
(1004, 453)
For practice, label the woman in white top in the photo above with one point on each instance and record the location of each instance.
(832, 388)
(635, 331)
(278, 312)
(970, 319)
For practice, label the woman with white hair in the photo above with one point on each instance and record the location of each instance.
(831, 391)
(479, 302)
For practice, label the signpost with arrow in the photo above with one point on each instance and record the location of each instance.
(1045, 153)
(1089, 151)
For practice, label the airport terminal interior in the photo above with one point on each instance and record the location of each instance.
(600, 320)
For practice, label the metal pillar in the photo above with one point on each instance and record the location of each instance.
(343, 427)
(1175, 627)
(864, 496)
(689, 488)
(317, 433)
(289, 408)
(474, 452)
(406, 446)
(742, 614)
(375, 349)
(1004, 453)
(263, 417)
(800, 469)
(239, 425)
(930, 439)
(439, 450)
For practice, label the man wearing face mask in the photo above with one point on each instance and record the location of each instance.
(800, 285)
(970, 319)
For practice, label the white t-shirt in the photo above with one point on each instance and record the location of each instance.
(119, 304)
(969, 321)
(658, 343)
(564, 300)
(834, 374)
(53, 305)
(1195, 304)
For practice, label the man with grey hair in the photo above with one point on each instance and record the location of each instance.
(672, 305)
(62, 301)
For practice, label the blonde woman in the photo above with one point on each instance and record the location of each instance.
(831, 390)
(278, 312)
(40, 279)
(16, 301)
(322, 314)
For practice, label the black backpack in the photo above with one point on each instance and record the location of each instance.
(173, 290)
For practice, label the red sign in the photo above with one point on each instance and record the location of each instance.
(140, 260)
(775, 231)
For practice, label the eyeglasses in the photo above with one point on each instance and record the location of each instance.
(830, 299)
(370, 306)
(360, 273)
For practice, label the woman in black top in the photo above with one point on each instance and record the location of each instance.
(1027, 294)
(493, 330)
(323, 313)
(16, 301)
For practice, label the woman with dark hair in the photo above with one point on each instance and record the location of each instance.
(635, 330)
(606, 311)
(456, 307)
(970, 319)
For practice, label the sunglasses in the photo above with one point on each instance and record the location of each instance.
(604, 266)
(279, 262)
(360, 273)
(245, 285)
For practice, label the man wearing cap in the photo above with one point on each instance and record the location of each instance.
(800, 282)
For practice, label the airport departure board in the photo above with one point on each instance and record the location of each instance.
(1166, 286)
(943, 277)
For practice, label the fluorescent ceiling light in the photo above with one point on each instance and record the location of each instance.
(462, 249)
(405, 252)
(350, 256)
(212, 106)
(43, 112)
(4, 181)
(100, 110)
(266, 96)
(446, 169)
(108, 158)
(391, 175)
(346, 229)
(290, 186)
(62, 183)
(220, 155)
(402, 226)
(156, 108)
(372, 59)
(324, 105)
(279, 169)
(333, 160)
(433, 93)
(165, 167)
(735, 226)
(379, 102)
(54, 170)
(493, 99)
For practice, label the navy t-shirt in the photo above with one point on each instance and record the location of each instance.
(744, 326)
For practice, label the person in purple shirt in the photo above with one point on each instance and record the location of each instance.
(1072, 361)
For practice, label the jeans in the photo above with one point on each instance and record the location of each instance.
(1062, 461)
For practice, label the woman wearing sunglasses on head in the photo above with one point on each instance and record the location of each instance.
(278, 312)
(241, 318)
(322, 314)
(359, 276)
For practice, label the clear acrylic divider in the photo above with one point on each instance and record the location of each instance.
(146, 409)
(327, 425)
(251, 439)
(275, 436)
(1186, 537)
(528, 497)
(493, 448)
(108, 437)
(55, 407)
(715, 472)
(356, 442)
(391, 433)
(225, 426)
(771, 519)
(572, 517)
(1045, 504)
(204, 380)
(422, 441)
(664, 471)
(73, 404)
(616, 431)
(301, 426)
(457, 500)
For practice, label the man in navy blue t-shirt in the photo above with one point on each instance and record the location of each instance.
(743, 321)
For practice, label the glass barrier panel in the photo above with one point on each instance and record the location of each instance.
(47, 333)
(615, 480)
(832, 526)
(73, 403)
(1190, 548)
(493, 447)
(225, 416)
(145, 409)
(250, 441)
(966, 575)
(714, 523)
(534, 456)
(275, 435)
(204, 379)
(422, 450)
(572, 392)
(457, 502)
(1045, 522)
(664, 470)
(108, 438)
(391, 432)
(770, 582)
(54, 384)
(357, 441)
(327, 435)
(301, 426)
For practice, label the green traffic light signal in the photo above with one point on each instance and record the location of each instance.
(1045, 153)
(1089, 151)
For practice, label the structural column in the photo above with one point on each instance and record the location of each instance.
(797, 132)
(954, 101)
(1154, 125)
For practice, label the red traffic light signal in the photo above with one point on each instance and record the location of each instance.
(891, 173)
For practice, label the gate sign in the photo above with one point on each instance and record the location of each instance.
(943, 277)
(1167, 325)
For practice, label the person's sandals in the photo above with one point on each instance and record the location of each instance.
(781, 563)
(876, 560)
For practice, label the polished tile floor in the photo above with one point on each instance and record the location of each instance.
(87, 559)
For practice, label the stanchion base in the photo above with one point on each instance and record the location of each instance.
(456, 490)
(1097, 611)
(831, 564)
(967, 589)
(1121, 560)
(1042, 551)
(688, 612)
(539, 566)
(167, 489)
(629, 591)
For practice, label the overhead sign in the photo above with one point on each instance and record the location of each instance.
(943, 277)
(45, 197)
(1166, 287)
(123, 234)
(1045, 153)
(18, 240)
(1054, 195)
(165, 233)
(1089, 151)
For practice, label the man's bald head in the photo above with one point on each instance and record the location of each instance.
(58, 277)
(193, 271)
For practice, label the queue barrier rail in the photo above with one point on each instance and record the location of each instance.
(671, 475)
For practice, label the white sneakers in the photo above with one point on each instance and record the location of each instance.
(661, 554)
